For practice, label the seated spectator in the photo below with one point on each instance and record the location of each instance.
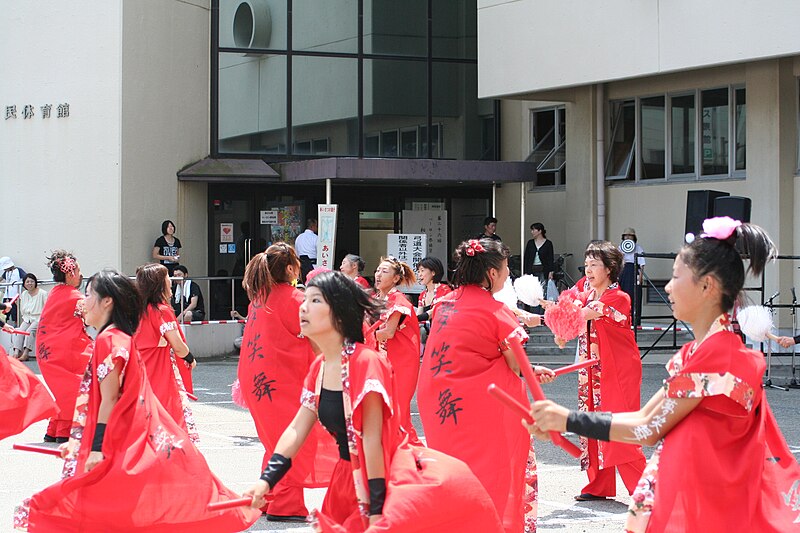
(11, 278)
(187, 299)
(31, 304)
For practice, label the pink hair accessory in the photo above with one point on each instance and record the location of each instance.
(474, 246)
(68, 265)
(720, 228)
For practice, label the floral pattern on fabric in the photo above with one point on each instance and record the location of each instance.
(167, 326)
(530, 501)
(308, 400)
(165, 443)
(188, 415)
(373, 385)
(21, 515)
(643, 497)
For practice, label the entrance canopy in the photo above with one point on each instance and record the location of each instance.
(348, 170)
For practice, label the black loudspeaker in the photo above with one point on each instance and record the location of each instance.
(700, 206)
(736, 207)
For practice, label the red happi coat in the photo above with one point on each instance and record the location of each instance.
(463, 356)
(185, 368)
(273, 363)
(63, 346)
(617, 379)
(725, 466)
(403, 352)
(426, 490)
(152, 478)
(362, 282)
(162, 365)
(23, 398)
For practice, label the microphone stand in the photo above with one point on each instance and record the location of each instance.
(793, 383)
(768, 381)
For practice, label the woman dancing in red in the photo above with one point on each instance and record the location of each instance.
(63, 345)
(721, 463)
(128, 465)
(160, 342)
(379, 480)
(396, 334)
(23, 398)
(274, 360)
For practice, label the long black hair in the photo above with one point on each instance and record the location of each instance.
(707, 256)
(472, 265)
(127, 308)
(349, 303)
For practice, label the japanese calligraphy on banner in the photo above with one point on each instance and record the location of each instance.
(326, 235)
(408, 248)
(434, 225)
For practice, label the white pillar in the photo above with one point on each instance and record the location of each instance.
(521, 228)
(600, 155)
(327, 190)
(494, 199)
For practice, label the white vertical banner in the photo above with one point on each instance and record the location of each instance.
(326, 235)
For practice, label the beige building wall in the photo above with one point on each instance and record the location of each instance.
(165, 117)
(657, 210)
(60, 177)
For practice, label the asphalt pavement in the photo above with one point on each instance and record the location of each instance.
(234, 453)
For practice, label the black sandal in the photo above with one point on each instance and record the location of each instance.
(586, 497)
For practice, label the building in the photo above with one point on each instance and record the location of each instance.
(209, 113)
(626, 106)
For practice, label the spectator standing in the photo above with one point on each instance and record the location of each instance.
(11, 275)
(31, 303)
(187, 300)
(630, 279)
(167, 248)
(539, 258)
(306, 247)
(489, 229)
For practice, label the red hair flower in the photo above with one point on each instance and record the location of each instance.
(68, 265)
(474, 246)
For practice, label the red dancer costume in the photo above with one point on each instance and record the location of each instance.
(463, 355)
(726, 465)
(162, 365)
(23, 398)
(362, 281)
(152, 478)
(616, 385)
(427, 491)
(62, 352)
(403, 352)
(185, 368)
(273, 363)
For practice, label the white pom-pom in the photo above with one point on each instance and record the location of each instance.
(507, 295)
(755, 321)
(689, 238)
(529, 290)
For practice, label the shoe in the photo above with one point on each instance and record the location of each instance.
(23, 357)
(49, 438)
(586, 497)
(279, 518)
(61, 440)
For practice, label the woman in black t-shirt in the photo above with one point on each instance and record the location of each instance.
(166, 249)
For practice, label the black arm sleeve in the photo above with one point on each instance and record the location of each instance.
(594, 425)
(276, 468)
(377, 495)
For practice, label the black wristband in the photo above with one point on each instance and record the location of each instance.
(423, 316)
(595, 425)
(189, 358)
(276, 468)
(377, 495)
(99, 433)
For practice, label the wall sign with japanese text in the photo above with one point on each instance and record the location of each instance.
(326, 235)
(31, 111)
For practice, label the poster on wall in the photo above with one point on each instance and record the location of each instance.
(226, 232)
(326, 235)
(433, 224)
(408, 248)
(284, 221)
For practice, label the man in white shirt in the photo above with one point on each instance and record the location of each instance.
(306, 247)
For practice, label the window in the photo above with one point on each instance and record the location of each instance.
(549, 146)
(656, 137)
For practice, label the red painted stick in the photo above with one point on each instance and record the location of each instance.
(577, 366)
(230, 504)
(509, 401)
(538, 395)
(20, 332)
(191, 396)
(37, 449)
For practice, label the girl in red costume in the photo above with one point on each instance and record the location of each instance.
(352, 266)
(23, 398)
(160, 342)
(274, 360)
(470, 347)
(396, 334)
(63, 345)
(379, 481)
(616, 380)
(128, 466)
(721, 463)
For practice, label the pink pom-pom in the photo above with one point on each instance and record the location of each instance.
(236, 394)
(565, 319)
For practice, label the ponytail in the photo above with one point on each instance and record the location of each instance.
(407, 276)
